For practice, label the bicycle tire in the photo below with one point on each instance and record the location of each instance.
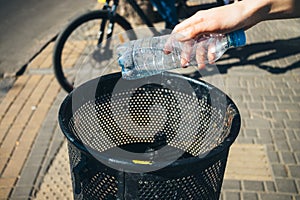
(60, 63)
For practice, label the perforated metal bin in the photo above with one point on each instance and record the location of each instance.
(162, 137)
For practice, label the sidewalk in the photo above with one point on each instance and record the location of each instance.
(264, 162)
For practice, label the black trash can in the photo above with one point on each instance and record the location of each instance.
(162, 137)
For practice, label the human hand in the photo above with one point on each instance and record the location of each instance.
(195, 31)
(196, 52)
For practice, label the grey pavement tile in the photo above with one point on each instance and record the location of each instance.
(252, 133)
(273, 157)
(258, 123)
(34, 159)
(297, 156)
(279, 134)
(253, 185)
(231, 185)
(282, 106)
(282, 145)
(249, 196)
(294, 171)
(21, 192)
(286, 185)
(298, 184)
(271, 98)
(244, 140)
(285, 99)
(275, 196)
(255, 106)
(296, 98)
(297, 133)
(292, 124)
(279, 170)
(265, 133)
(290, 134)
(270, 147)
(28, 175)
(270, 186)
(295, 145)
(232, 196)
(269, 106)
(278, 124)
(294, 114)
(288, 157)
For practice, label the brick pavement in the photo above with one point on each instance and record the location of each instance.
(264, 83)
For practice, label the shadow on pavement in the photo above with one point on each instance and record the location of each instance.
(273, 57)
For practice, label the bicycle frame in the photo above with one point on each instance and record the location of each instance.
(112, 9)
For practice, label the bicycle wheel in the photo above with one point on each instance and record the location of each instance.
(78, 42)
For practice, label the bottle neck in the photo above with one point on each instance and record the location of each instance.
(236, 38)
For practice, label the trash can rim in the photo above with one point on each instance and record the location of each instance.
(223, 146)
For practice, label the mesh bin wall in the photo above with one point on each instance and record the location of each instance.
(92, 126)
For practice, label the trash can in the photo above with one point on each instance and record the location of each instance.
(162, 137)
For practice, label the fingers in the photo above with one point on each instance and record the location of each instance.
(186, 53)
(211, 53)
(205, 53)
(201, 55)
(168, 47)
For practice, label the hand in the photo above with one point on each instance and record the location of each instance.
(198, 27)
(223, 19)
(203, 48)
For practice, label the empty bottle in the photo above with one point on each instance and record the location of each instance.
(145, 57)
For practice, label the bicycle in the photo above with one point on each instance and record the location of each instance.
(89, 35)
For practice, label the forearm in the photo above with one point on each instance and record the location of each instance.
(261, 10)
(239, 15)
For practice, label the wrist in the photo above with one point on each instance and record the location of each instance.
(255, 11)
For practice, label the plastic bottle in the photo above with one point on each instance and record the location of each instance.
(145, 57)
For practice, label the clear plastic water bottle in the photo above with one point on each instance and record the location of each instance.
(145, 57)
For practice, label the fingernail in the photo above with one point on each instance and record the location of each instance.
(184, 62)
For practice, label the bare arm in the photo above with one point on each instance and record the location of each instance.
(239, 15)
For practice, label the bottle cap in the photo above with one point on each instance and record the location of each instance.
(237, 38)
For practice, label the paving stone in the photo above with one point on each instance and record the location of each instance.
(285, 99)
(273, 157)
(294, 170)
(270, 186)
(255, 106)
(253, 185)
(288, 157)
(250, 132)
(258, 123)
(249, 196)
(279, 134)
(287, 106)
(297, 155)
(290, 135)
(232, 196)
(282, 145)
(286, 185)
(231, 185)
(27, 177)
(278, 124)
(271, 98)
(279, 170)
(295, 145)
(292, 124)
(21, 192)
(275, 196)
